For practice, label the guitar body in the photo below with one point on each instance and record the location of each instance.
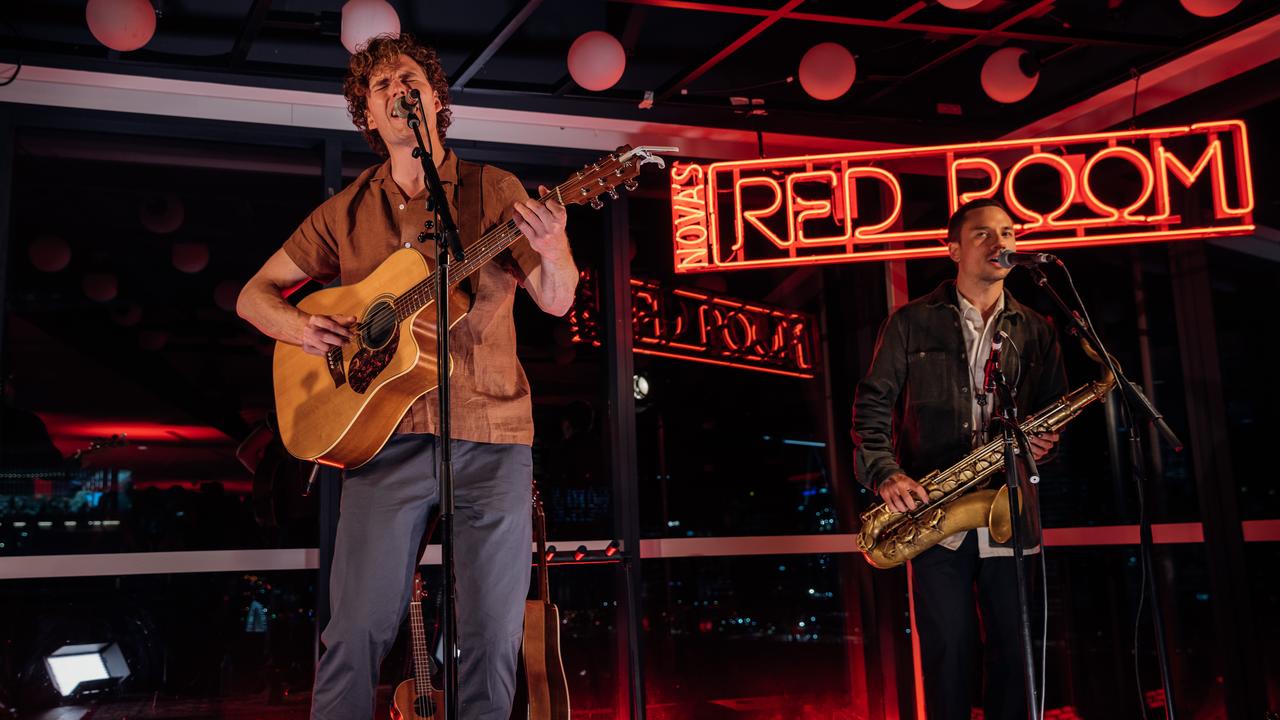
(547, 685)
(340, 409)
(407, 704)
(343, 415)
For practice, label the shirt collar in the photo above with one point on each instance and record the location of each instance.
(448, 169)
(968, 309)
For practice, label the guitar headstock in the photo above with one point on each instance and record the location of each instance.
(617, 169)
(419, 592)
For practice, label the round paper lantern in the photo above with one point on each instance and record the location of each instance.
(225, 294)
(161, 214)
(366, 19)
(1004, 75)
(128, 314)
(122, 25)
(1210, 8)
(152, 340)
(596, 60)
(49, 253)
(190, 257)
(827, 71)
(100, 287)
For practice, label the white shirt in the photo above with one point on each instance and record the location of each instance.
(977, 344)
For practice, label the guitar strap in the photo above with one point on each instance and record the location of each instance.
(470, 203)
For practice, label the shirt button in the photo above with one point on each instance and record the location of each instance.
(408, 245)
(401, 206)
(965, 426)
(964, 388)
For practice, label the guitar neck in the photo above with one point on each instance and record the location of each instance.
(488, 247)
(421, 655)
(540, 534)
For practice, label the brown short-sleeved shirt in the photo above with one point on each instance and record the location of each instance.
(351, 233)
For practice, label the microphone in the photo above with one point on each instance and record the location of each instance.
(1009, 258)
(403, 108)
(993, 364)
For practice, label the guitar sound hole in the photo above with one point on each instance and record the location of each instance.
(425, 706)
(379, 325)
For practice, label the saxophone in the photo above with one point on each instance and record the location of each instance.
(958, 498)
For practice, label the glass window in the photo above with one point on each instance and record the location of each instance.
(127, 254)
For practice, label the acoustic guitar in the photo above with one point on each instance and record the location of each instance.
(417, 698)
(545, 686)
(340, 409)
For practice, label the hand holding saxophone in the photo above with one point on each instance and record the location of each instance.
(1042, 443)
(897, 492)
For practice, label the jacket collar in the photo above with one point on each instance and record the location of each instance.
(946, 295)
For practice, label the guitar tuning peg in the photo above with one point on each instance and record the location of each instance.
(630, 184)
(613, 193)
(596, 203)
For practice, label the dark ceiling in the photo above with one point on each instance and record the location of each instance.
(918, 62)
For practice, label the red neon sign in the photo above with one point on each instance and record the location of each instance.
(695, 325)
(1175, 183)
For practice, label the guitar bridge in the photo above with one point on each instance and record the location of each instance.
(333, 359)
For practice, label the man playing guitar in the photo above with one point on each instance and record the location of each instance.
(386, 501)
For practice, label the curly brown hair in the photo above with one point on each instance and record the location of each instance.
(377, 53)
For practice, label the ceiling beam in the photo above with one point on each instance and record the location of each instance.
(476, 63)
(1128, 41)
(65, 89)
(249, 31)
(1034, 11)
(908, 11)
(1202, 68)
(769, 20)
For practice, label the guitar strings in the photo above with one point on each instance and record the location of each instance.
(493, 242)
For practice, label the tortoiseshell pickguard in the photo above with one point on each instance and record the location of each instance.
(368, 364)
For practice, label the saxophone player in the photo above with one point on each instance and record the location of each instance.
(921, 407)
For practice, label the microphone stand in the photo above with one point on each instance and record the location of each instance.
(448, 245)
(1015, 444)
(1132, 399)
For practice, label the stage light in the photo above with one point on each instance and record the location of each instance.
(612, 549)
(580, 553)
(551, 552)
(85, 668)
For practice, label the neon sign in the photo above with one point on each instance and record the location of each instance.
(1114, 188)
(695, 325)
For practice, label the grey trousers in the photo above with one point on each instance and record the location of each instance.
(385, 504)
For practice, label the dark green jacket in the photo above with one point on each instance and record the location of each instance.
(912, 411)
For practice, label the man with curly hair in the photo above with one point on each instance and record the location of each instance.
(386, 502)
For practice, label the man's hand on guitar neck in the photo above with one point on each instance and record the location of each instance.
(324, 332)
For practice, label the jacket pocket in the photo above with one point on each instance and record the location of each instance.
(930, 376)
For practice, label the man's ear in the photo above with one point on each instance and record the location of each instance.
(953, 249)
(369, 121)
